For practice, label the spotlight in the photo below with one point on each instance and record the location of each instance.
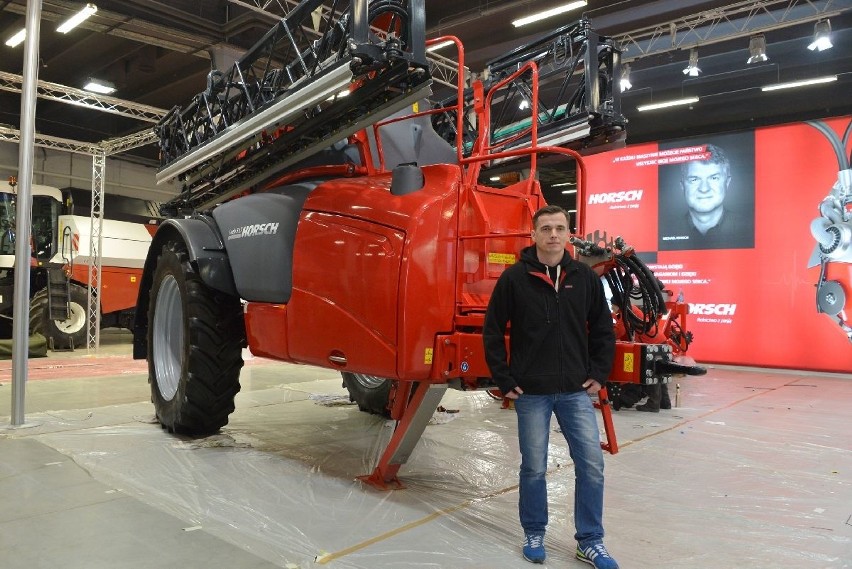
(692, 69)
(757, 49)
(77, 19)
(625, 83)
(438, 46)
(17, 39)
(549, 13)
(802, 83)
(100, 86)
(822, 36)
(666, 104)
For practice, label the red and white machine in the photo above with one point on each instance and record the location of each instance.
(59, 283)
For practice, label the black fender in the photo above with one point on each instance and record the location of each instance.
(206, 252)
(259, 234)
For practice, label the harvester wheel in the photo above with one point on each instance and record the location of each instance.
(63, 332)
(195, 339)
(371, 393)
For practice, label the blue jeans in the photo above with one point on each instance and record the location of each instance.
(577, 418)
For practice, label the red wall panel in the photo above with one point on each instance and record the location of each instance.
(753, 298)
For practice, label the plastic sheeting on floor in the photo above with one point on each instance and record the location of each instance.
(752, 470)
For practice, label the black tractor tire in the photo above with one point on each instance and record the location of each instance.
(371, 393)
(195, 340)
(64, 332)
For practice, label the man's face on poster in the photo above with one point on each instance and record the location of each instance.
(704, 185)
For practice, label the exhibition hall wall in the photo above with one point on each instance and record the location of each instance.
(63, 169)
(751, 286)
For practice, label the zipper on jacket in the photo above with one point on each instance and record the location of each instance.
(559, 339)
(547, 310)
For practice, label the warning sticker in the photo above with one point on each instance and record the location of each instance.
(628, 363)
(427, 356)
(502, 258)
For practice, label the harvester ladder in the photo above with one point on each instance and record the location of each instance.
(58, 294)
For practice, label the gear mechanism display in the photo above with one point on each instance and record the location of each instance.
(833, 232)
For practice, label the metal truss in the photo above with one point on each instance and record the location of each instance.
(64, 94)
(107, 147)
(96, 224)
(736, 20)
(124, 143)
(445, 71)
(10, 134)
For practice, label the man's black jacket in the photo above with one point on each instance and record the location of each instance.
(557, 340)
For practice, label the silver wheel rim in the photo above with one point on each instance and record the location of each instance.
(75, 321)
(369, 381)
(168, 337)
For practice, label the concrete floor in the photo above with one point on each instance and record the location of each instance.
(753, 469)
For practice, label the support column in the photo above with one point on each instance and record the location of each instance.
(21, 303)
(96, 241)
(408, 431)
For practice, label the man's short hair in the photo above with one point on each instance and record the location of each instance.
(549, 210)
(717, 156)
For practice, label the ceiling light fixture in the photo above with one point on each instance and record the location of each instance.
(663, 105)
(549, 13)
(624, 82)
(438, 46)
(77, 19)
(569, 191)
(17, 39)
(99, 86)
(802, 83)
(757, 49)
(524, 104)
(822, 36)
(692, 69)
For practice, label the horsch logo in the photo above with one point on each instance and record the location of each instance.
(712, 309)
(616, 197)
(253, 230)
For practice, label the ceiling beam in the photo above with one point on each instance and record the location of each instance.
(731, 22)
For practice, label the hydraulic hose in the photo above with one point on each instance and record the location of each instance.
(632, 280)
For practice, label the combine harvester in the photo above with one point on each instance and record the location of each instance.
(59, 269)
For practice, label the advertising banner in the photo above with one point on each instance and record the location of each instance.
(753, 228)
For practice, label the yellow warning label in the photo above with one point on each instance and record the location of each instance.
(502, 258)
(133, 278)
(427, 356)
(415, 108)
(628, 363)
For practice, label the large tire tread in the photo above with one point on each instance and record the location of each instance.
(41, 323)
(370, 399)
(210, 371)
(38, 309)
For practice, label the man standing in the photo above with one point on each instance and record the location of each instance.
(562, 347)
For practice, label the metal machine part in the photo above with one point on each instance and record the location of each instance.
(832, 231)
